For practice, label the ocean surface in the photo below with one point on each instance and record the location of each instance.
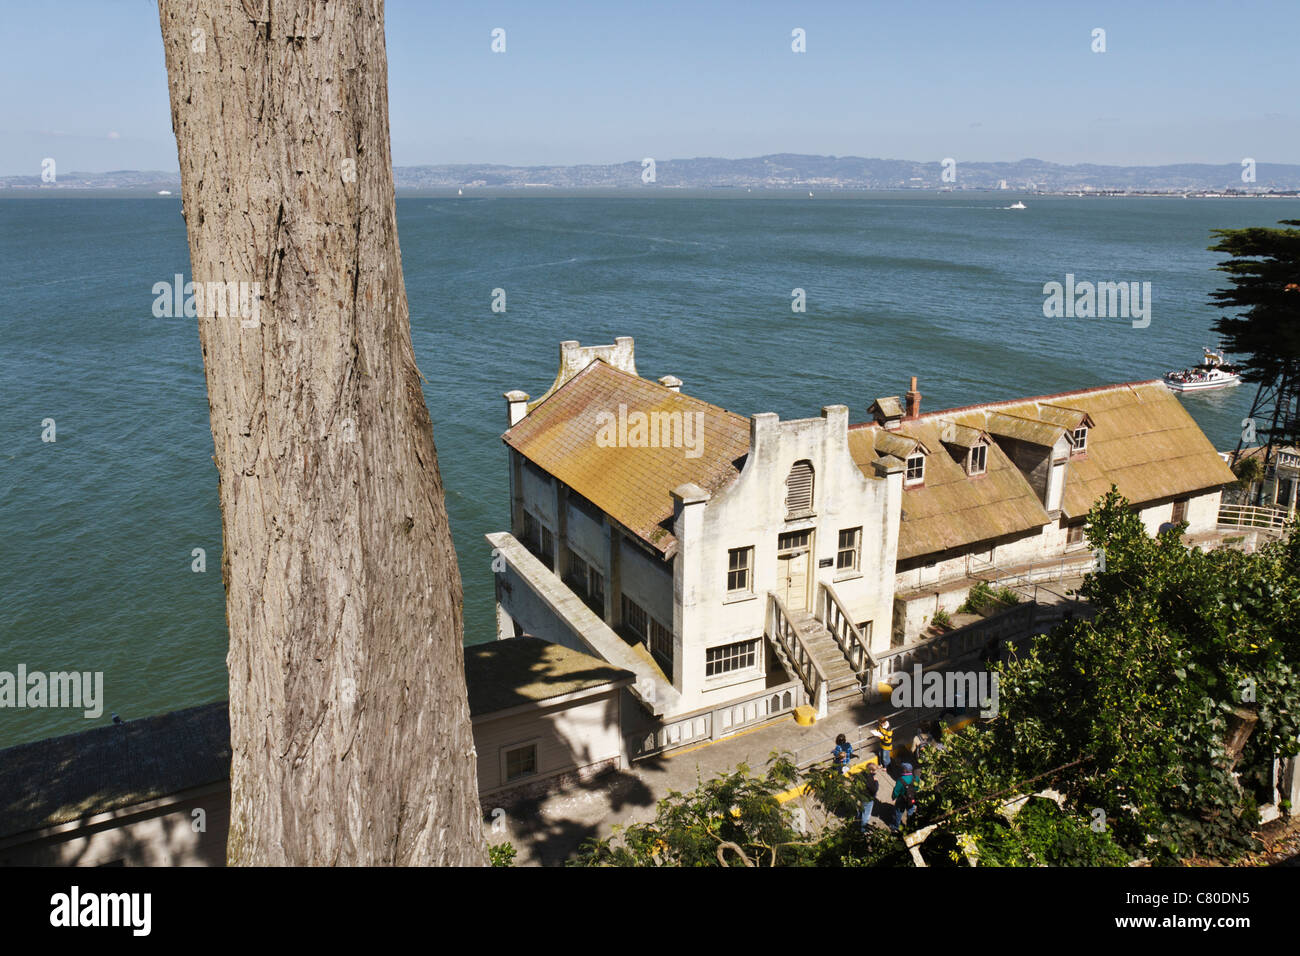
(98, 527)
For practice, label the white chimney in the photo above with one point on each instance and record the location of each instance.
(517, 403)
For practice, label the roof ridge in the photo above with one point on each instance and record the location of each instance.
(995, 406)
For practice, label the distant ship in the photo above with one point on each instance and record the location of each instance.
(1213, 372)
(1017, 205)
(164, 192)
(460, 192)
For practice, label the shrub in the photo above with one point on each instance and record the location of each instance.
(502, 854)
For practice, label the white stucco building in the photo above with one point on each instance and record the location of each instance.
(738, 566)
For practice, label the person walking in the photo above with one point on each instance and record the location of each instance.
(904, 798)
(873, 786)
(886, 736)
(842, 754)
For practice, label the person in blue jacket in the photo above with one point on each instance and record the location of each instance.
(842, 753)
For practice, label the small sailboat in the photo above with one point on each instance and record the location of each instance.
(460, 192)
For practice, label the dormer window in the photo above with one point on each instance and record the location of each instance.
(977, 460)
(915, 469)
(1079, 440)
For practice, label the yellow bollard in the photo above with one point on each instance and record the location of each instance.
(805, 716)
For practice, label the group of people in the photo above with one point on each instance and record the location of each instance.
(905, 787)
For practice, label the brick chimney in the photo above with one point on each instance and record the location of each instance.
(913, 402)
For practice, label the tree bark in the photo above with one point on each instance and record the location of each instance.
(349, 724)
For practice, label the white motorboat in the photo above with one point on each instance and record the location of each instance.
(1213, 372)
(1017, 205)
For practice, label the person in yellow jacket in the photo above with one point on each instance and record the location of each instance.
(886, 736)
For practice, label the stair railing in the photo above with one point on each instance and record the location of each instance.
(785, 636)
(849, 637)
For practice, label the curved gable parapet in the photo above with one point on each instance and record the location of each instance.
(575, 357)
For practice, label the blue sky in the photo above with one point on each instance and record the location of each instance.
(85, 82)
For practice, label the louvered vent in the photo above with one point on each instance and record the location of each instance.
(799, 489)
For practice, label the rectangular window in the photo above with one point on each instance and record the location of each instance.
(661, 645)
(521, 762)
(547, 553)
(915, 469)
(577, 576)
(596, 591)
(740, 563)
(978, 459)
(794, 541)
(634, 618)
(1079, 440)
(1180, 512)
(1074, 534)
(532, 533)
(847, 558)
(730, 657)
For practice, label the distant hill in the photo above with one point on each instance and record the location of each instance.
(782, 171)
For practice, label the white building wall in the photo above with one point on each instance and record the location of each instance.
(587, 538)
(569, 736)
(752, 513)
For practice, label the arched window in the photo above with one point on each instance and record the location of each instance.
(799, 489)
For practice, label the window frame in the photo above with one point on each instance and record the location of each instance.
(661, 635)
(1180, 505)
(728, 659)
(907, 472)
(509, 749)
(747, 551)
(625, 618)
(1079, 440)
(855, 549)
(982, 449)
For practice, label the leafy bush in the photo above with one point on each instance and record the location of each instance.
(941, 618)
(980, 596)
(502, 854)
(1007, 596)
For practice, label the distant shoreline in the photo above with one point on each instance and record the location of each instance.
(668, 192)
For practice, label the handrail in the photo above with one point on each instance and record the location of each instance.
(1252, 516)
(961, 641)
(782, 629)
(847, 634)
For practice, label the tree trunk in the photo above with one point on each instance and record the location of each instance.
(349, 725)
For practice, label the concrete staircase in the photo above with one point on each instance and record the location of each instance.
(841, 680)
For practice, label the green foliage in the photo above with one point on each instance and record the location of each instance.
(942, 618)
(1007, 596)
(735, 819)
(1042, 834)
(979, 597)
(1248, 472)
(1139, 698)
(502, 854)
(1265, 270)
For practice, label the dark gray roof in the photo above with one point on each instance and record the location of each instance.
(59, 779)
(52, 781)
(528, 670)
